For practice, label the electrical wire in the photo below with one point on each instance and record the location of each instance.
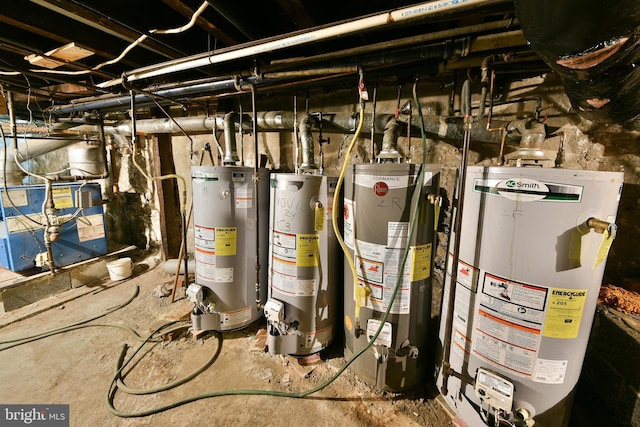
(138, 41)
(4, 181)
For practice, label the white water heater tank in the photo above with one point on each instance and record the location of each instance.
(230, 219)
(528, 277)
(304, 265)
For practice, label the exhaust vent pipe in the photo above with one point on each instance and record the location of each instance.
(389, 150)
(306, 143)
(230, 144)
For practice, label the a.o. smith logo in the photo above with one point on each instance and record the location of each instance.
(522, 189)
(528, 190)
(513, 183)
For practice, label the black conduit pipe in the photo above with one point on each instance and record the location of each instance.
(256, 186)
(468, 120)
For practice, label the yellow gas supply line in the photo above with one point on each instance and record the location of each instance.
(177, 177)
(162, 177)
(360, 292)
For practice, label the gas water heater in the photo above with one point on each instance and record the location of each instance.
(230, 213)
(379, 202)
(304, 265)
(533, 245)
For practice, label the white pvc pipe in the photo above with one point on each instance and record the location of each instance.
(405, 14)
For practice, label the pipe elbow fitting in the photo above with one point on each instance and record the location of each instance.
(390, 136)
(230, 147)
(306, 142)
(533, 132)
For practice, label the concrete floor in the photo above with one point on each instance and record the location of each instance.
(77, 367)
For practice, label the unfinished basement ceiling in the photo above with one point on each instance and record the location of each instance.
(58, 52)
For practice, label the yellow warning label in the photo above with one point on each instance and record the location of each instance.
(308, 250)
(226, 241)
(436, 213)
(319, 217)
(603, 249)
(62, 197)
(564, 313)
(420, 262)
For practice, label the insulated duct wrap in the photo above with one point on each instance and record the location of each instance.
(594, 46)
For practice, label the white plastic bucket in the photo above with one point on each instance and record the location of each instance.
(120, 269)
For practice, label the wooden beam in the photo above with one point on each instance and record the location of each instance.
(62, 40)
(170, 217)
(95, 20)
(201, 22)
(9, 46)
(298, 13)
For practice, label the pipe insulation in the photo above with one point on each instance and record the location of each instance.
(442, 127)
(122, 102)
(29, 148)
(433, 9)
(594, 46)
(389, 149)
(345, 62)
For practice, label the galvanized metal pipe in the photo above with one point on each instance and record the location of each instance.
(405, 42)
(443, 127)
(389, 149)
(306, 142)
(142, 99)
(230, 148)
(447, 371)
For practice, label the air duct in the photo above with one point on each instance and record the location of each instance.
(594, 46)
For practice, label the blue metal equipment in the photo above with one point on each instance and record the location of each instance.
(78, 225)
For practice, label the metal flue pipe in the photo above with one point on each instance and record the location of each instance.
(230, 147)
(306, 142)
(389, 150)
